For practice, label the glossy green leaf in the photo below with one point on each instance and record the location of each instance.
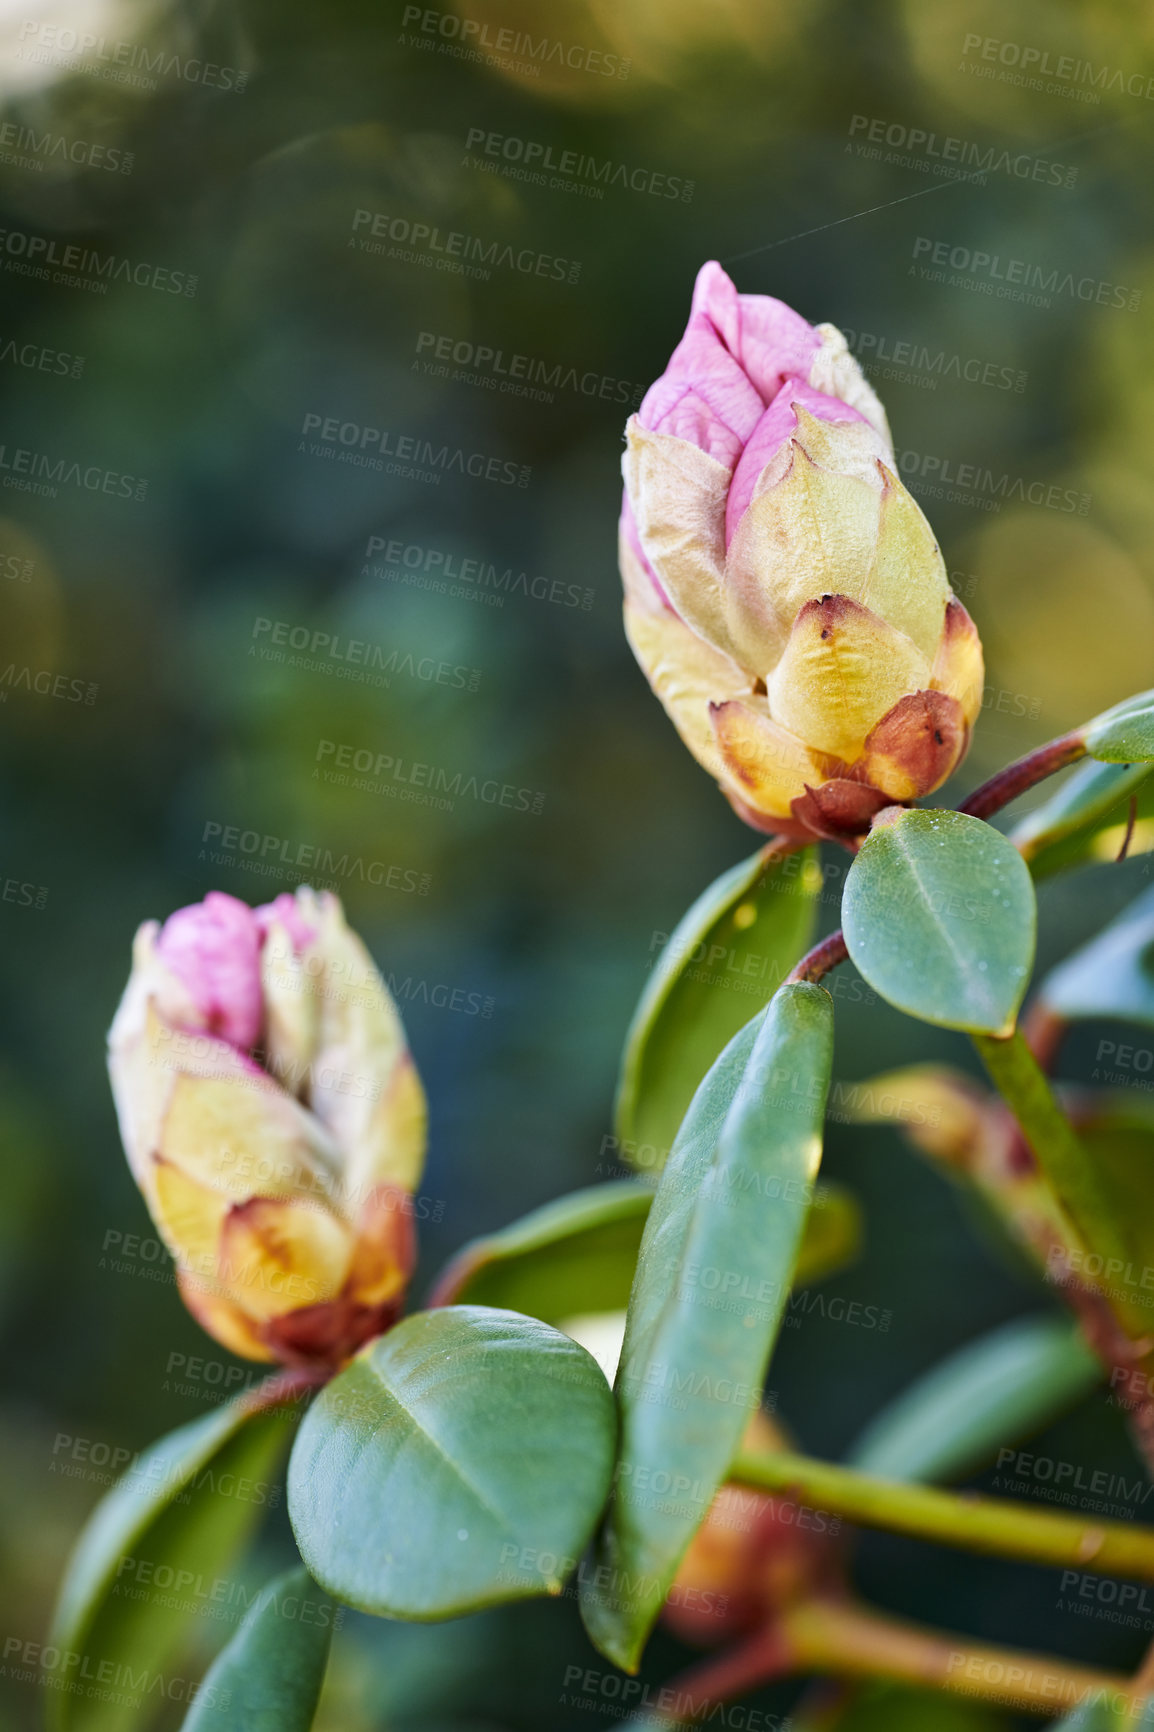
(726, 957)
(939, 917)
(578, 1254)
(460, 1461)
(1124, 734)
(1112, 975)
(186, 1504)
(991, 1392)
(715, 1268)
(268, 1677)
(575, 1254)
(1088, 810)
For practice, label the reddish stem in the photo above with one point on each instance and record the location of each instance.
(1131, 820)
(696, 1693)
(1023, 774)
(990, 797)
(820, 960)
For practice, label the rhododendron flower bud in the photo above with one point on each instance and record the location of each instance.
(784, 594)
(274, 1120)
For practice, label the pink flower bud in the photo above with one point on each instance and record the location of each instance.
(274, 1121)
(213, 948)
(783, 592)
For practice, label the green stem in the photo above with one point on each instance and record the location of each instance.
(853, 1641)
(1063, 1160)
(972, 1523)
(845, 1640)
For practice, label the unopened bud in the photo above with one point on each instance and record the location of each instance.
(784, 594)
(274, 1121)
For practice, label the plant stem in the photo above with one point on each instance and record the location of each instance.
(848, 1641)
(695, 1694)
(1064, 1162)
(990, 797)
(1046, 761)
(965, 1520)
(1023, 774)
(853, 1641)
(818, 962)
(1131, 820)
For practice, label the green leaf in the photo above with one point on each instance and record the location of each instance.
(939, 918)
(187, 1504)
(715, 1268)
(1112, 975)
(724, 960)
(573, 1255)
(578, 1254)
(268, 1677)
(1001, 1387)
(1071, 827)
(1124, 734)
(460, 1461)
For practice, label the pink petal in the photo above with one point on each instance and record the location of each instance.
(213, 947)
(769, 340)
(704, 398)
(285, 911)
(737, 352)
(778, 424)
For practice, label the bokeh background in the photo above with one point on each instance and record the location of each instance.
(223, 152)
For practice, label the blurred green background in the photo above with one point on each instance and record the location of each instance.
(234, 144)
